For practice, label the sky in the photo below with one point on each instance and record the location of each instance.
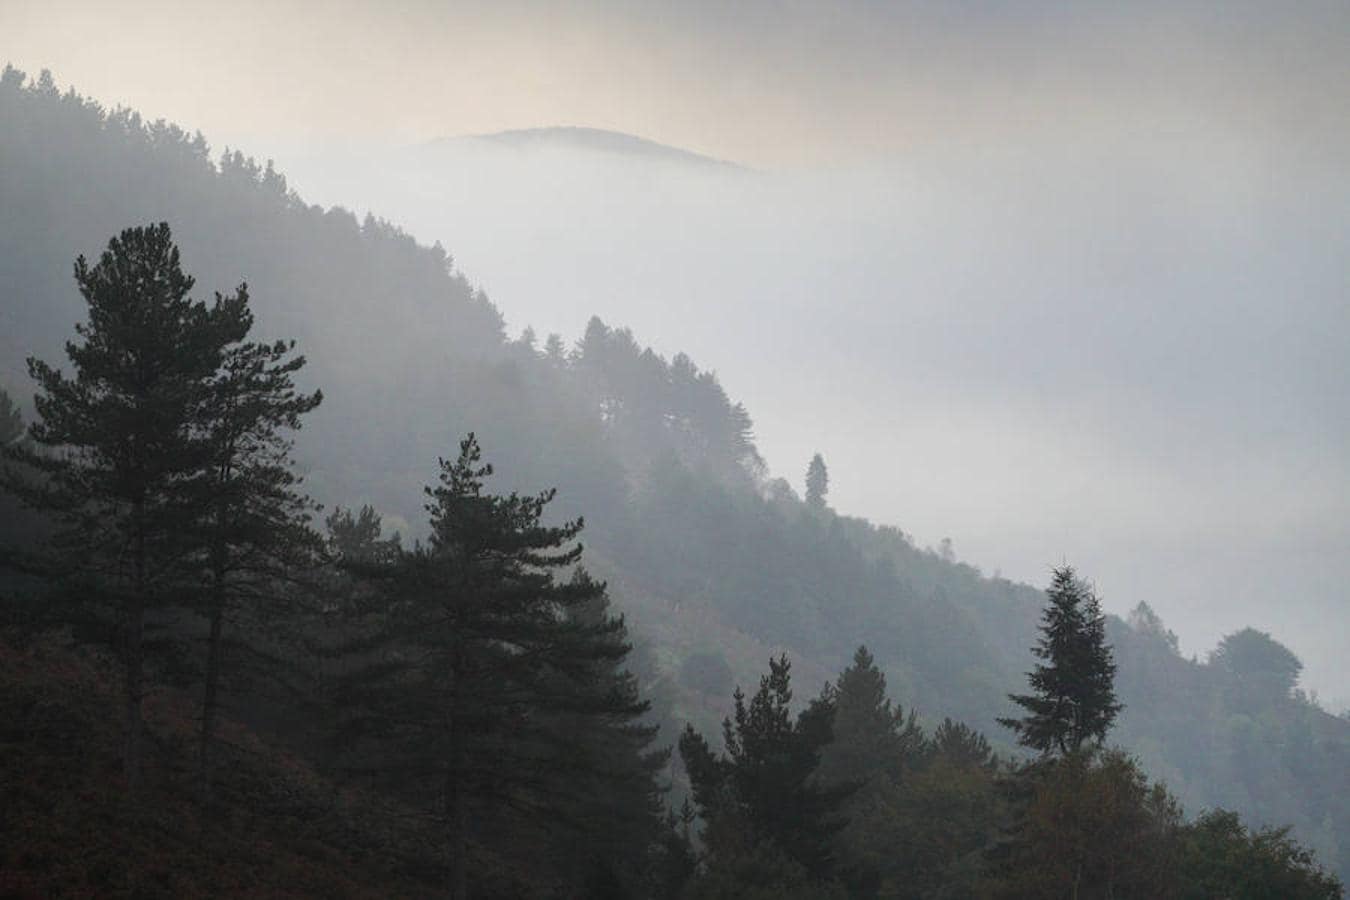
(1062, 282)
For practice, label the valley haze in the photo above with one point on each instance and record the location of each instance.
(1056, 285)
(691, 450)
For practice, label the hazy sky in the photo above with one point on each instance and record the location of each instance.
(769, 83)
(1060, 281)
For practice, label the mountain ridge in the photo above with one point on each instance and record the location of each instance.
(587, 138)
(720, 560)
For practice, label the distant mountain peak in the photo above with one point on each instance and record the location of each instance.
(597, 140)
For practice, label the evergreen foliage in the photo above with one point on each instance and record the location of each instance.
(873, 738)
(484, 684)
(1074, 700)
(817, 482)
(11, 421)
(125, 438)
(766, 779)
(697, 542)
(253, 522)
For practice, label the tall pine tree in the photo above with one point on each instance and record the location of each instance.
(477, 665)
(118, 445)
(254, 522)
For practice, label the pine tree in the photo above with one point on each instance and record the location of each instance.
(354, 537)
(254, 521)
(613, 771)
(1074, 697)
(766, 780)
(962, 746)
(873, 738)
(875, 746)
(817, 482)
(124, 436)
(471, 662)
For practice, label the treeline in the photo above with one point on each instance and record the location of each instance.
(461, 677)
(477, 683)
(716, 565)
(851, 798)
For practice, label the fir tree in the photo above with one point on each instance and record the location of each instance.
(1074, 698)
(125, 436)
(817, 482)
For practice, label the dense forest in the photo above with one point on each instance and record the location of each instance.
(283, 694)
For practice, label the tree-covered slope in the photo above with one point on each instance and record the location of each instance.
(716, 563)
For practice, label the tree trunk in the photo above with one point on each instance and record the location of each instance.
(457, 816)
(456, 803)
(210, 691)
(135, 661)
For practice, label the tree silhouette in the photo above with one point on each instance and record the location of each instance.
(253, 522)
(127, 430)
(480, 673)
(1073, 697)
(817, 482)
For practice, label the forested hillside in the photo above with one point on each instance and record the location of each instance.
(716, 563)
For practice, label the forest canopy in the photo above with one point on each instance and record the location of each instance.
(713, 565)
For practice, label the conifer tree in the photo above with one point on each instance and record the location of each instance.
(611, 767)
(962, 746)
(1074, 698)
(354, 537)
(874, 748)
(471, 661)
(817, 482)
(125, 439)
(18, 528)
(766, 780)
(873, 737)
(253, 522)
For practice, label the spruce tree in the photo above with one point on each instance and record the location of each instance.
(118, 445)
(475, 656)
(817, 482)
(1073, 699)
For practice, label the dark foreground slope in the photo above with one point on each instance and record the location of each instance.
(281, 830)
(717, 564)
